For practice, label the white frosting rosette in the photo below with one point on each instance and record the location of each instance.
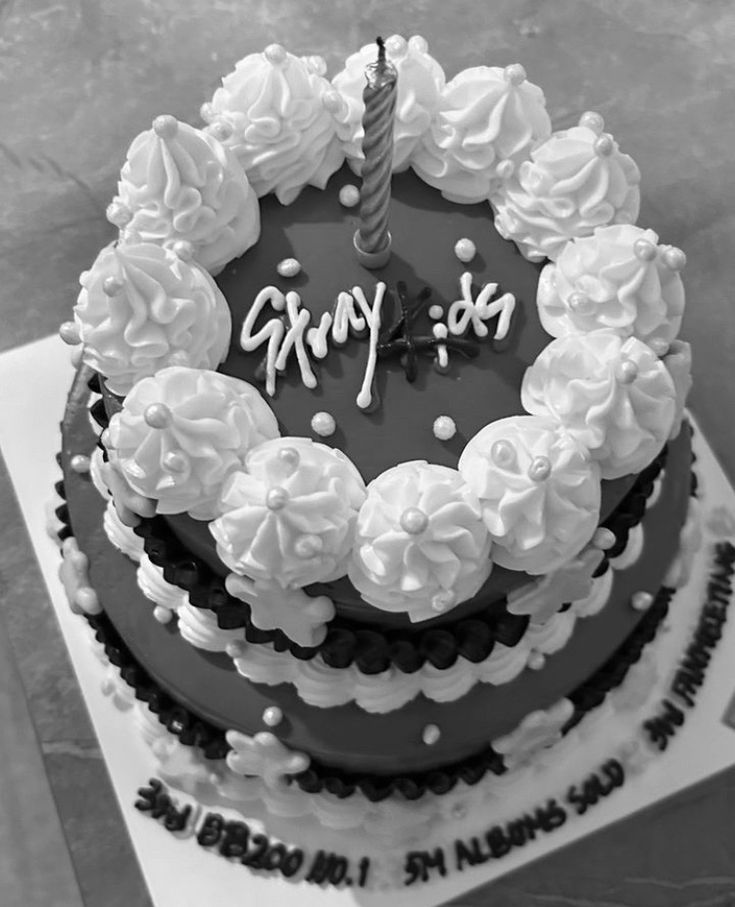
(539, 491)
(618, 278)
(180, 186)
(488, 121)
(270, 112)
(420, 82)
(576, 180)
(421, 545)
(613, 395)
(678, 362)
(180, 433)
(289, 516)
(141, 308)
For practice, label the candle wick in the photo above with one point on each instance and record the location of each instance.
(381, 51)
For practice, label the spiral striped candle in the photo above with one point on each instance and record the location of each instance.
(377, 146)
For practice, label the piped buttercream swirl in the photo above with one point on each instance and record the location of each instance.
(618, 278)
(420, 83)
(613, 395)
(575, 181)
(488, 120)
(142, 308)
(270, 111)
(539, 491)
(180, 434)
(182, 186)
(421, 545)
(289, 516)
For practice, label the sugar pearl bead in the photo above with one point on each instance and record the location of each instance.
(236, 648)
(414, 521)
(641, 601)
(644, 250)
(396, 46)
(442, 600)
(674, 258)
(445, 428)
(515, 74)
(289, 267)
(290, 458)
(308, 545)
(272, 716)
(176, 461)
(592, 120)
(603, 539)
(162, 615)
(505, 169)
(540, 469)
(69, 333)
(580, 304)
(221, 130)
(440, 331)
(503, 454)
(79, 463)
(431, 734)
(111, 286)
(604, 145)
(627, 371)
(118, 214)
(419, 44)
(158, 415)
(436, 312)
(275, 54)
(465, 249)
(183, 249)
(536, 660)
(659, 346)
(87, 600)
(276, 498)
(349, 196)
(323, 424)
(165, 126)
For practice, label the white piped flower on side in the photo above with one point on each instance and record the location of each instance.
(537, 732)
(264, 756)
(421, 545)
(143, 308)
(488, 120)
(614, 396)
(619, 278)
(575, 181)
(303, 618)
(290, 514)
(181, 433)
(181, 187)
(539, 491)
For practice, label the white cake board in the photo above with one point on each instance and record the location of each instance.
(34, 381)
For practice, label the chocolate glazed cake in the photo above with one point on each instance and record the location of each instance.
(363, 536)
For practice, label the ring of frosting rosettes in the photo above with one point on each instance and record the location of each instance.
(285, 512)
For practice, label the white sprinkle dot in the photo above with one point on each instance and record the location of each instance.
(445, 428)
(323, 424)
(435, 312)
(289, 267)
(536, 660)
(272, 716)
(431, 734)
(465, 249)
(79, 463)
(349, 196)
(641, 601)
(162, 615)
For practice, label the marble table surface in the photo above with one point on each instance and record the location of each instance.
(78, 79)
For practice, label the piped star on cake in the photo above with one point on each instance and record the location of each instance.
(537, 732)
(264, 756)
